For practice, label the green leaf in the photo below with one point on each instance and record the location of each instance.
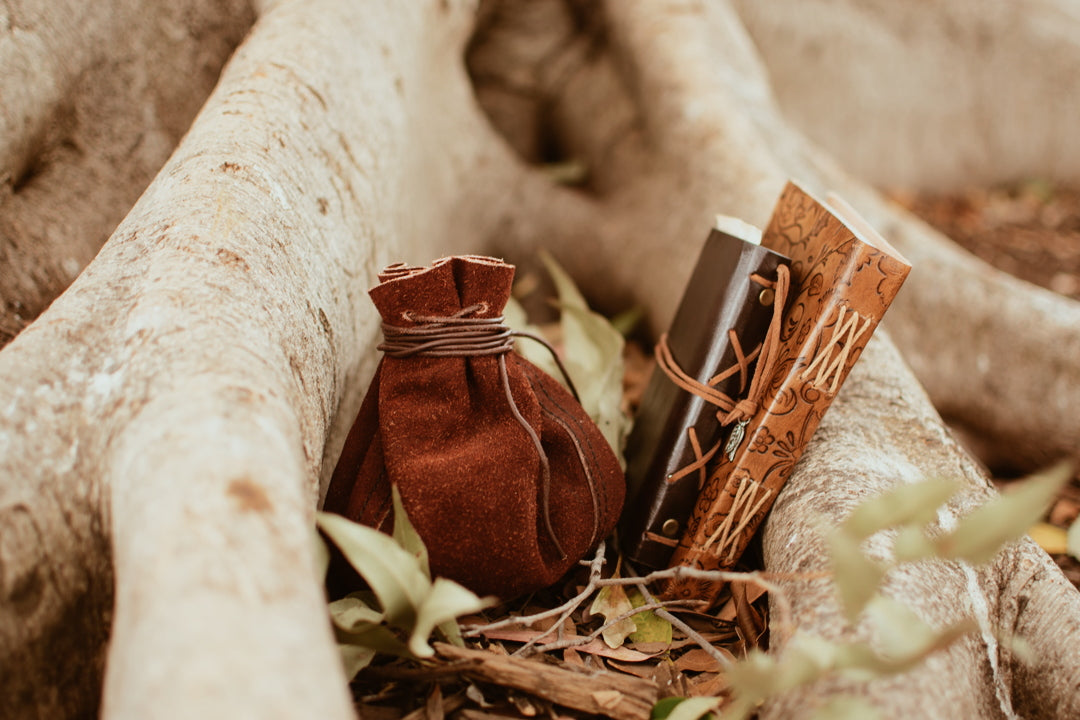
(593, 355)
(568, 172)
(356, 624)
(663, 707)
(393, 573)
(978, 536)
(322, 555)
(916, 503)
(352, 614)
(648, 626)
(856, 576)
(594, 360)
(899, 633)
(450, 631)
(912, 543)
(515, 316)
(445, 601)
(376, 638)
(755, 676)
(625, 322)
(903, 638)
(805, 659)
(857, 661)
(1051, 538)
(685, 708)
(355, 658)
(612, 602)
(1019, 647)
(569, 295)
(405, 534)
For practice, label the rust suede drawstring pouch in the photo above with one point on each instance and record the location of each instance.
(504, 476)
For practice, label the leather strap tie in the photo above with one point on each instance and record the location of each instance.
(730, 410)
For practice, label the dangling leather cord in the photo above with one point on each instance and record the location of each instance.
(730, 410)
(458, 335)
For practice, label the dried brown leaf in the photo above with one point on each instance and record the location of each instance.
(699, 660)
(709, 685)
(573, 658)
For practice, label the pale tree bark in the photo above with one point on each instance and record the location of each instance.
(933, 96)
(164, 425)
(94, 98)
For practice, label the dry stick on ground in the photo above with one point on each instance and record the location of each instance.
(662, 609)
(615, 695)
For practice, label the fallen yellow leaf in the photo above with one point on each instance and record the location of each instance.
(1051, 538)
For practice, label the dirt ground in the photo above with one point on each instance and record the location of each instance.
(1031, 230)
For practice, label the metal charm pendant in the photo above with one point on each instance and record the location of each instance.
(737, 434)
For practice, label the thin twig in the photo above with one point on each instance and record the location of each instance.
(690, 632)
(595, 567)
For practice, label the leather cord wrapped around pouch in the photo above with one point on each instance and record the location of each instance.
(505, 477)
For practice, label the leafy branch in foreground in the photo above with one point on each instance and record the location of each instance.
(898, 638)
(404, 605)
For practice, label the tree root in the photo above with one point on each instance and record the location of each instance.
(114, 86)
(177, 400)
(937, 99)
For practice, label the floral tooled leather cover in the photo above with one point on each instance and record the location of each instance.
(844, 277)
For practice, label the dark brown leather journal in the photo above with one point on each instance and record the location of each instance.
(714, 341)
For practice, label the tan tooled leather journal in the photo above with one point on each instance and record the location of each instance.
(843, 278)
